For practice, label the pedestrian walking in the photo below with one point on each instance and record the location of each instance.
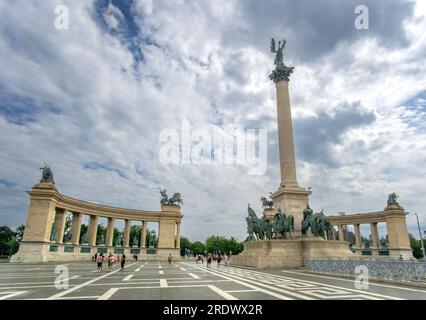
(226, 259)
(123, 261)
(100, 260)
(111, 259)
(218, 259)
(209, 260)
(170, 258)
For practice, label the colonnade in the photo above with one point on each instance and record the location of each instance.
(48, 211)
(394, 218)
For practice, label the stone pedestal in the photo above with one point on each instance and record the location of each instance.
(289, 253)
(269, 214)
(292, 200)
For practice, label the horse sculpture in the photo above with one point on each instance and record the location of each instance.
(267, 204)
(175, 200)
(318, 222)
(256, 223)
(282, 224)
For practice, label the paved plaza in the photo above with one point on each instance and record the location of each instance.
(186, 280)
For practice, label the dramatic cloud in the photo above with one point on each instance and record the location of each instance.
(92, 101)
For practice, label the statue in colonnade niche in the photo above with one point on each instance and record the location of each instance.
(53, 234)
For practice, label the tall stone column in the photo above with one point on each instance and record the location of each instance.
(285, 136)
(290, 197)
(374, 235)
(178, 235)
(110, 232)
(76, 227)
(93, 229)
(143, 234)
(358, 243)
(59, 224)
(126, 233)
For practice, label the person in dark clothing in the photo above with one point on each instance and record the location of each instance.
(123, 261)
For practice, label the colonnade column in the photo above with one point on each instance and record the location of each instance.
(59, 224)
(110, 232)
(341, 234)
(93, 230)
(358, 243)
(76, 227)
(126, 233)
(375, 234)
(143, 234)
(178, 236)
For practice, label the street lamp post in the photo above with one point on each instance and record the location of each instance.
(421, 238)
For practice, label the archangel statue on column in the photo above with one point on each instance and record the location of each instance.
(281, 71)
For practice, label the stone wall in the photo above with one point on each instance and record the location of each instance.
(386, 270)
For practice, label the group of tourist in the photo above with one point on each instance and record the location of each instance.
(215, 257)
(111, 259)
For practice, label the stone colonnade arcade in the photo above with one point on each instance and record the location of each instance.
(394, 217)
(48, 210)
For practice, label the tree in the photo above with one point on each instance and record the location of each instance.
(218, 244)
(185, 245)
(20, 232)
(67, 228)
(135, 231)
(101, 231)
(116, 237)
(8, 243)
(83, 230)
(416, 246)
(198, 247)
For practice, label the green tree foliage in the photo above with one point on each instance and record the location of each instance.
(416, 246)
(101, 231)
(9, 243)
(20, 232)
(83, 230)
(135, 231)
(198, 247)
(116, 237)
(218, 244)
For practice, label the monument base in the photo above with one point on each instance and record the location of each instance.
(278, 253)
(292, 201)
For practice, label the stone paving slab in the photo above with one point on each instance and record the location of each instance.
(185, 280)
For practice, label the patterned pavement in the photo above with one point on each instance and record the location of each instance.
(185, 280)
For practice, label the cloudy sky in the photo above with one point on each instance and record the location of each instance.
(92, 100)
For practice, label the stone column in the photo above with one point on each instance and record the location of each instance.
(399, 242)
(93, 229)
(126, 232)
(143, 234)
(76, 227)
(178, 235)
(285, 136)
(358, 243)
(59, 224)
(375, 235)
(341, 234)
(110, 232)
(41, 212)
